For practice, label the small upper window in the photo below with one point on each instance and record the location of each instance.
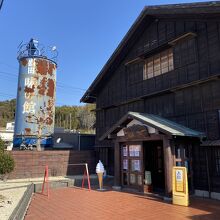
(158, 64)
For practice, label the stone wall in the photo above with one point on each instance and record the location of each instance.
(31, 164)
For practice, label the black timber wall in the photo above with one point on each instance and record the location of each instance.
(189, 95)
(195, 59)
(206, 168)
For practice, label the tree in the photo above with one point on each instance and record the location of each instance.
(7, 111)
(76, 117)
(42, 119)
(7, 163)
(86, 117)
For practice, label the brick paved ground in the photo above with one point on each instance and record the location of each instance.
(79, 204)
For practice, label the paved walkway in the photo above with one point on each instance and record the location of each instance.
(80, 204)
(12, 191)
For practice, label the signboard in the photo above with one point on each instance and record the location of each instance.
(180, 186)
(148, 180)
(135, 131)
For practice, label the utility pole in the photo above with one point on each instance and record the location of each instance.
(64, 121)
(79, 141)
(1, 3)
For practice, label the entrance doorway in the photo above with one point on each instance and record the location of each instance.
(153, 159)
(132, 165)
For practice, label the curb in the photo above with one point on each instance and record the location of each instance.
(20, 210)
(54, 185)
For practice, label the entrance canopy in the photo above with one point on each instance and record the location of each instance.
(152, 123)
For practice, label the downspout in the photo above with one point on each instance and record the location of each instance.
(208, 174)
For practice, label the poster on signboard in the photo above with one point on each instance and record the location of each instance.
(132, 178)
(137, 150)
(179, 175)
(131, 151)
(136, 165)
(125, 151)
(125, 164)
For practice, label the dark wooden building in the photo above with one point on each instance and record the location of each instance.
(158, 99)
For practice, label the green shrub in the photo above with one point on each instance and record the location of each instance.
(7, 163)
(2, 145)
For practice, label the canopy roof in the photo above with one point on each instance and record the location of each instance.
(161, 124)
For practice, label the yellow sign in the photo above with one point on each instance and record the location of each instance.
(180, 186)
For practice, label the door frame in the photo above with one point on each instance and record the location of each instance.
(129, 170)
(168, 151)
(160, 144)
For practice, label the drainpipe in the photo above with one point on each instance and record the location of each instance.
(208, 174)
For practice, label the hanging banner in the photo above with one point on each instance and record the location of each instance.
(180, 186)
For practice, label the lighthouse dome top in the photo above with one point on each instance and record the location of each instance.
(34, 49)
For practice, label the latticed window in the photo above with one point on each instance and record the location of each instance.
(158, 64)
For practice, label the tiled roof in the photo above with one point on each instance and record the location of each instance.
(163, 125)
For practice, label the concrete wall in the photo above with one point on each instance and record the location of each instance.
(206, 194)
(31, 164)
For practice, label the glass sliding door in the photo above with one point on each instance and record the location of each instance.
(132, 165)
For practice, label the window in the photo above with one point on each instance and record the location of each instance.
(125, 151)
(132, 179)
(134, 150)
(135, 165)
(182, 156)
(158, 64)
(125, 164)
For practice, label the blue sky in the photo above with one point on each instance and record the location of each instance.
(85, 33)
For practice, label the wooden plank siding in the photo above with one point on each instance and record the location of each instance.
(207, 168)
(195, 59)
(189, 95)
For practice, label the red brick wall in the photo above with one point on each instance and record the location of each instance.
(30, 164)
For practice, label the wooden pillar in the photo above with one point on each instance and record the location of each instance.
(168, 165)
(117, 167)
